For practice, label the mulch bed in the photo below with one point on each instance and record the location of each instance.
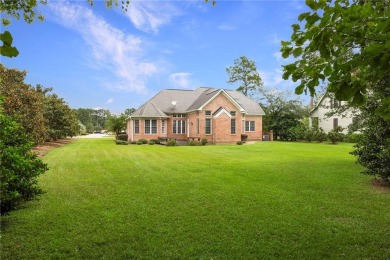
(42, 149)
(380, 186)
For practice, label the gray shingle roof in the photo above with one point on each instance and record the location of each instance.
(148, 110)
(190, 100)
(251, 107)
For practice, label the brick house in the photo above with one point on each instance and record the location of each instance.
(218, 115)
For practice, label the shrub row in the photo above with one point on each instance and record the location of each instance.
(334, 136)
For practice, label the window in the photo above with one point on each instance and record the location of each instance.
(207, 129)
(207, 113)
(179, 115)
(314, 123)
(335, 123)
(150, 126)
(179, 127)
(233, 126)
(163, 126)
(136, 126)
(334, 103)
(233, 113)
(249, 126)
(154, 126)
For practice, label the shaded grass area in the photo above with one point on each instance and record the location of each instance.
(267, 200)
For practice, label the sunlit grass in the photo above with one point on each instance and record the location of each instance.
(267, 200)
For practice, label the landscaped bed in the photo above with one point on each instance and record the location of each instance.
(266, 200)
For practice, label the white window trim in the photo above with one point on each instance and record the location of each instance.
(250, 122)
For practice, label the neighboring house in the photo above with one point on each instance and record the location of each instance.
(218, 115)
(325, 105)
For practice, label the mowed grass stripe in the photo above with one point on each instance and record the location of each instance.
(267, 200)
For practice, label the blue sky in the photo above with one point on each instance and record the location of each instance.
(96, 57)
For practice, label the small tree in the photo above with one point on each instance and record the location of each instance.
(116, 124)
(245, 72)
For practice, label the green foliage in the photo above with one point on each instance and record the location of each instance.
(245, 72)
(123, 137)
(122, 142)
(23, 103)
(239, 142)
(156, 141)
(14, 9)
(94, 119)
(84, 115)
(7, 49)
(204, 141)
(345, 44)
(129, 111)
(298, 132)
(373, 145)
(284, 116)
(144, 141)
(320, 135)
(171, 142)
(89, 128)
(97, 129)
(61, 119)
(116, 124)
(19, 167)
(83, 129)
(194, 143)
(151, 142)
(335, 135)
(133, 142)
(309, 135)
(43, 115)
(352, 137)
(139, 142)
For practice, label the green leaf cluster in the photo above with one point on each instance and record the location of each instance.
(344, 44)
(7, 49)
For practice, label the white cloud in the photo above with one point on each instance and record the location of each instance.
(274, 79)
(149, 16)
(180, 79)
(109, 101)
(227, 27)
(278, 56)
(297, 4)
(111, 49)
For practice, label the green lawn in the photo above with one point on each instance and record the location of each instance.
(267, 200)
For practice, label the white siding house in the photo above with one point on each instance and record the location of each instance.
(325, 105)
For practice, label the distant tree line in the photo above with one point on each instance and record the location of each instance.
(98, 119)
